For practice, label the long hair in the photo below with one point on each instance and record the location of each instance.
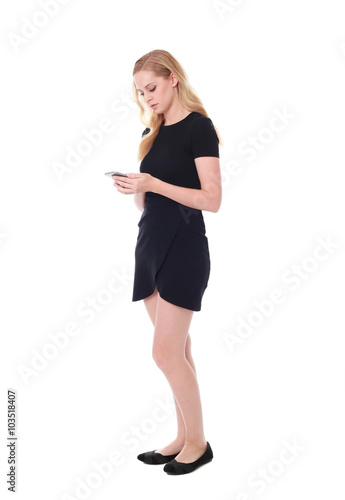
(162, 63)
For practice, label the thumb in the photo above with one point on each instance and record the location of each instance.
(133, 176)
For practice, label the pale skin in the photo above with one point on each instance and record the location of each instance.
(172, 343)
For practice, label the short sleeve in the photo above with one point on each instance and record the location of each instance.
(205, 140)
(146, 131)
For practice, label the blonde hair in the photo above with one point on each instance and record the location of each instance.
(162, 63)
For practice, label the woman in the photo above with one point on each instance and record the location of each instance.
(179, 177)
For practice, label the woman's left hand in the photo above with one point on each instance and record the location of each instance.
(134, 183)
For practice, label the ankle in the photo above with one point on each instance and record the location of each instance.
(200, 443)
(179, 440)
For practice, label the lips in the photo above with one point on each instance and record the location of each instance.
(153, 105)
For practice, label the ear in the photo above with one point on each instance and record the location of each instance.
(174, 80)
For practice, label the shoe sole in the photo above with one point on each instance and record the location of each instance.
(184, 473)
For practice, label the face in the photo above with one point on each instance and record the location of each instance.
(155, 90)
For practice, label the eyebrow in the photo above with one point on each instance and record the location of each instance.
(146, 86)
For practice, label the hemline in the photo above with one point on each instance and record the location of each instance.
(167, 300)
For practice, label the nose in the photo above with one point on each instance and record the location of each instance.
(147, 97)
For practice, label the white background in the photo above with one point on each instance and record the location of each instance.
(64, 241)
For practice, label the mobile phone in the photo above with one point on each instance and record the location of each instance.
(116, 173)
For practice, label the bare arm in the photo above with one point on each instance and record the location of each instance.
(207, 198)
(139, 200)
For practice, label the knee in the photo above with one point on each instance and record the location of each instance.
(165, 357)
(160, 356)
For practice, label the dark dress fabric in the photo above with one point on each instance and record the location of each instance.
(172, 249)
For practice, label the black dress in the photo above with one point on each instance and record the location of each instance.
(172, 247)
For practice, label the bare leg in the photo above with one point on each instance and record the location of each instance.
(177, 444)
(169, 352)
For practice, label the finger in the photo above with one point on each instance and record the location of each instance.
(124, 182)
(124, 190)
(118, 183)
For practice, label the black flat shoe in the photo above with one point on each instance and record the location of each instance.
(153, 458)
(175, 467)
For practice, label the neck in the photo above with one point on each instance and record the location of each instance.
(175, 113)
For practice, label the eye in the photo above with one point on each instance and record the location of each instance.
(151, 90)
